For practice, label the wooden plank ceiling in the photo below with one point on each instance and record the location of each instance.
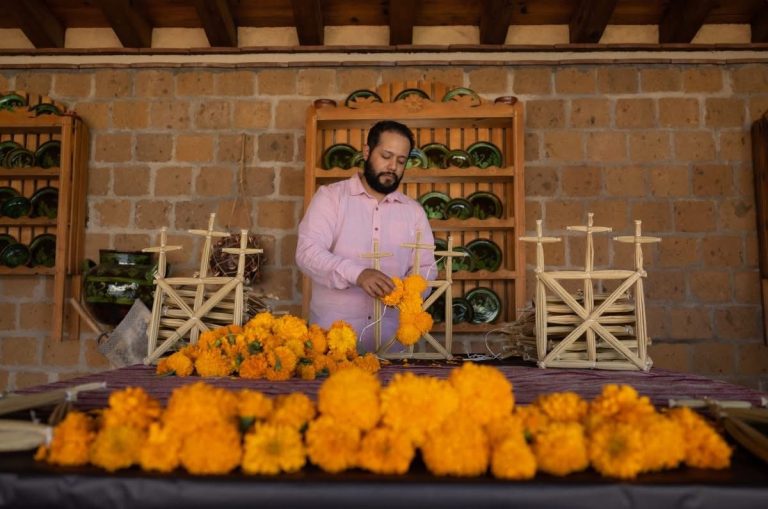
(45, 21)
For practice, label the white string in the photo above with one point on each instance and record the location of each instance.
(479, 357)
(362, 332)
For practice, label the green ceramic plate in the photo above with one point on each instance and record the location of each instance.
(16, 207)
(359, 97)
(462, 310)
(43, 250)
(485, 205)
(459, 159)
(48, 155)
(417, 159)
(458, 208)
(458, 93)
(339, 155)
(6, 239)
(487, 254)
(434, 204)
(11, 101)
(437, 155)
(485, 154)
(19, 158)
(486, 306)
(411, 92)
(440, 245)
(358, 161)
(45, 203)
(14, 255)
(6, 147)
(45, 109)
(5, 194)
(466, 263)
(437, 310)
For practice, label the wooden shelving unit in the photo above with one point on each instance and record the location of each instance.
(457, 125)
(22, 126)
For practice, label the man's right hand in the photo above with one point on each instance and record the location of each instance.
(375, 283)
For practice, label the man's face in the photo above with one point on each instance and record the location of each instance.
(385, 163)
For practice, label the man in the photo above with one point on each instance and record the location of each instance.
(340, 225)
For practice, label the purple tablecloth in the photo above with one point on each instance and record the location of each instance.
(528, 382)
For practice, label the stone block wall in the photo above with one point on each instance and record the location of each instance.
(664, 143)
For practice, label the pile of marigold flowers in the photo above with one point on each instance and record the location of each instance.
(407, 297)
(466, 425)
(275, 348)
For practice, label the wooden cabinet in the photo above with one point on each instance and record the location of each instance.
(32, 129)
(456, 124)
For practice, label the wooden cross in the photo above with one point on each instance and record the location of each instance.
(540, 240)
(241, 252)
(376, 256)
(637, 239)
(417, 247)
(157, 304)
(205, 257)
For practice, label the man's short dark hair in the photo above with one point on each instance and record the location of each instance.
(389, 125)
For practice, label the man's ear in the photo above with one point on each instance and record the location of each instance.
(366, 151)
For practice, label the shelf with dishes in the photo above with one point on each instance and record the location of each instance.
(22, 253)
(429, 174)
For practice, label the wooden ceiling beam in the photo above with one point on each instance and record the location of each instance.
(590, 19)
(494, 20)
(130, 26)
(682, 19)
(401, 17)
(308, 17)
(218, 22)
(38, 23)
(760, 25)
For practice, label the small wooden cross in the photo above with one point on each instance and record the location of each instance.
(161, 250)
(206, 252)
(637, 239)
(589, 256)
(417, 247)
(242, 251)
(540, 240)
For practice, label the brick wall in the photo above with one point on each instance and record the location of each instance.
(664, 143)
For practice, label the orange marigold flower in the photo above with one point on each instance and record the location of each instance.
(484, 392)
(212, 362)
(295, 410)
(180, 364)
(297, 346)
(368, 362)
(254, 404)
(385, 451)
(562, 406)
(116, 447)
(162, 367)
(306, 371)
(415, 284)
(71, 441)
(616, 449)
(281, 363)
(291, 327)
(198, 406)
(160, 451)
(131, 407)
(191, 351)
(317, 341)
(663, 441)
(407, 332)
(459, 447)
(501, 428)
(704, 447)
(533, 418)
(513, 459)
(394, 297)
(351, 396)
(260, 326)
(332, 446)
(341, 337)
(271, 449)
(214, 450)
(417, 405)
(411, 303)
(561, 448)
(254, 367)
(619, 403)
(423, 321)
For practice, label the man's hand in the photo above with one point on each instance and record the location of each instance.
(375, 283)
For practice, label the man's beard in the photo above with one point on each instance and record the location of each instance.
(376, 184)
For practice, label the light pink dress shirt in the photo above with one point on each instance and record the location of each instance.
(339, 226)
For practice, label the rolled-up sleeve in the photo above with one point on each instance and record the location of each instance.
(313, 252)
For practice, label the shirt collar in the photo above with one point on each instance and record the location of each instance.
(356, 187)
